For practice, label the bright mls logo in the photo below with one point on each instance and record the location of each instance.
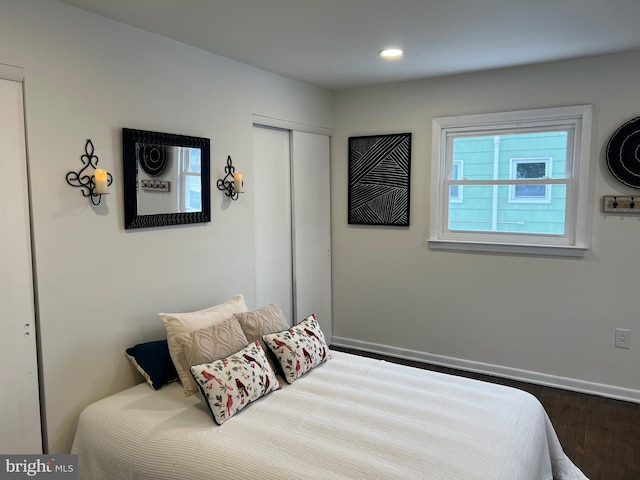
(51, 467)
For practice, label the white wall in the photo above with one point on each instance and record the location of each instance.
(547, 319)
(99, 287)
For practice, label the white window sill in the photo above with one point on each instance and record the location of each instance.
(509, 248)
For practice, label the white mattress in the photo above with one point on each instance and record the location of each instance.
(349, 418)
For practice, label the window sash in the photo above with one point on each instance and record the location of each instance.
(450, 134)
(566, 239)
(511, 181)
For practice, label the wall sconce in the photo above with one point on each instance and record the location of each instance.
(93, 186)
(232, 182)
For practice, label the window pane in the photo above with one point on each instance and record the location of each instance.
(474, 213)
(487, 157)
(194, 160)
(477, 153)
(488, 209)
(530, 191)
(192, 197)
(531, 170)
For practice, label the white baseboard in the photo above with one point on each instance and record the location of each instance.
(564, 383)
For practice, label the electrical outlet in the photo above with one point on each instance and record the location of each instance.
(623, 338)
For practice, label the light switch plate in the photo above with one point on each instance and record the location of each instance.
(623, 338)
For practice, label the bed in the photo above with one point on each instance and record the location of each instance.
(350, 417)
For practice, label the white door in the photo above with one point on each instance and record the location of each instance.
(312, 227)
(292, 211)
(272, 203)
(20, 430)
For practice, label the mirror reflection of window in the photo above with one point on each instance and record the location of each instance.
(181, 181)
(190, 180)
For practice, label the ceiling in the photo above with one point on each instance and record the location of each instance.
(334, 43)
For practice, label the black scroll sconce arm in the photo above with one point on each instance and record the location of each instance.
(91, 187)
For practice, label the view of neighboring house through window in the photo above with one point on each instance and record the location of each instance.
(455, 191)
(190, 184)
(511, 178)
(509, 207)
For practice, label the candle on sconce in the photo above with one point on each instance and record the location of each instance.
(237, 182)
(100, 179)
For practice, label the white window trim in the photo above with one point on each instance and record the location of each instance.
(575, 243)
(512, 174)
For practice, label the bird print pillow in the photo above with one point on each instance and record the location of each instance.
(298, 349)
(231, 383)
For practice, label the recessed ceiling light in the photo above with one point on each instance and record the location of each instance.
(391, 53)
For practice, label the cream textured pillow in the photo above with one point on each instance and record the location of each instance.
(262, 321)
(177, 323)
(206, 345)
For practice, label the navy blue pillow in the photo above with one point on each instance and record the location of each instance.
(153, 361)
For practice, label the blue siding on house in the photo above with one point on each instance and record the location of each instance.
(477, 211)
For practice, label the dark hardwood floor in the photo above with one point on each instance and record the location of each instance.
(600, 435)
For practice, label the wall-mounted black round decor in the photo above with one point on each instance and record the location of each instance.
(153, 159)
(623, 153)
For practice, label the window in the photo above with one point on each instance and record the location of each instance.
(525, 181)
(537, 168)
(455, 191)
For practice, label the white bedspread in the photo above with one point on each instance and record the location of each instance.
(350, 418)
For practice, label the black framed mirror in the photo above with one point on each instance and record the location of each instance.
(166, 179)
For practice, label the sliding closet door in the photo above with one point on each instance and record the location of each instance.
(19, 399)
(272, 203)
(312, 227)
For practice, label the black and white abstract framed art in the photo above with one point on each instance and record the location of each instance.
(379, 179)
